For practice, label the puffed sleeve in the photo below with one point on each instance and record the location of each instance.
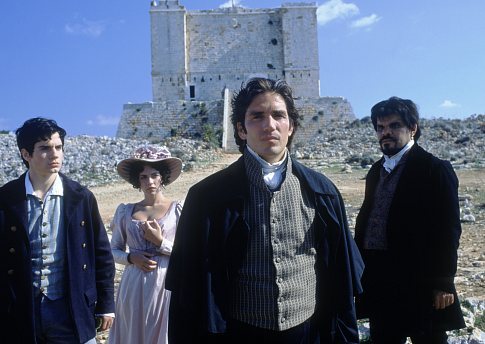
(118, 239)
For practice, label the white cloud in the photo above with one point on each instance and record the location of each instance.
(102, 120)
(229, 3)
(335, 9)
(448, 104)
(365, 22)
(86, 27)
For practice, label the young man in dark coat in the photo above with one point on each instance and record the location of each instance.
(262, 250)
(408, 231)
(55, 255)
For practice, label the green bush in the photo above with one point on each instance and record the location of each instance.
(211, 136)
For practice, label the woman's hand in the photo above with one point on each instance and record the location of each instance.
(142, 261)
(152, 232)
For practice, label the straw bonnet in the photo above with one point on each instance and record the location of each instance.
(153, 156)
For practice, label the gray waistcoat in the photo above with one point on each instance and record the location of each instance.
(48, 246)
(277, 282)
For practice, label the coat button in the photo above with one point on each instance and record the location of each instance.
(83, 245)
(13, 228)
(82, 223)
(85, 267)
(10, 272)
(11, 250)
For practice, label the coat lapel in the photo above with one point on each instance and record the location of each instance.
(72, 197)
(17, 203)
(235, 196)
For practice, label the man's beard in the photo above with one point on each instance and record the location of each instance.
(387, 149)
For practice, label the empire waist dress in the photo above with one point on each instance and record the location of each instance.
(142, 303)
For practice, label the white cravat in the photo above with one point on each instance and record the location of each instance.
(391, 162)
(272, 173)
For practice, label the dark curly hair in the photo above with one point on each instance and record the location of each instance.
(138, 167)
(405, 108)
(250, 90)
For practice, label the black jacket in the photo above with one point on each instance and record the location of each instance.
(211, 242)
(89, 263)
(423, 229)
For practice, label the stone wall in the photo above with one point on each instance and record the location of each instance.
(156, 121)
(317, 113)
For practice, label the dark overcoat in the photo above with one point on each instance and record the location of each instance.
(211, 242)
(89, 262)
(423, 229)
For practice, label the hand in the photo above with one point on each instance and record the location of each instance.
(106, 323)
(143, 261)
(153, 232)
(442, 299)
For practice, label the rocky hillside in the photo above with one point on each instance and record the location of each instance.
(92, 160)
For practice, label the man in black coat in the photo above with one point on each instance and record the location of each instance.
(55, 257)
(408, 231)
(262, 251)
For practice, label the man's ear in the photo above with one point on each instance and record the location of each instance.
(241, 131)
(414, 130)
(25, 154)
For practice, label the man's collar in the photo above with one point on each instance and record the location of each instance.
(266, 165)
(56, 189)
(390, 162)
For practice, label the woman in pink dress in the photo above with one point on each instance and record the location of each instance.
(147, 229)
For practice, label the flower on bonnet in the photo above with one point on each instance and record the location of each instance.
(151, 152)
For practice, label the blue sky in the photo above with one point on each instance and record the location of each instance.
(79, 61)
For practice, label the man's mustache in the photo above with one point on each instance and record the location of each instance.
(387, 138)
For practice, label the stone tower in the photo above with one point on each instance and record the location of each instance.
(168, 45)
(200, 57)
(196, 54)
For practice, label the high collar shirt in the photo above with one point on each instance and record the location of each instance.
(272, 173)
(55, 190)
(391, 161)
